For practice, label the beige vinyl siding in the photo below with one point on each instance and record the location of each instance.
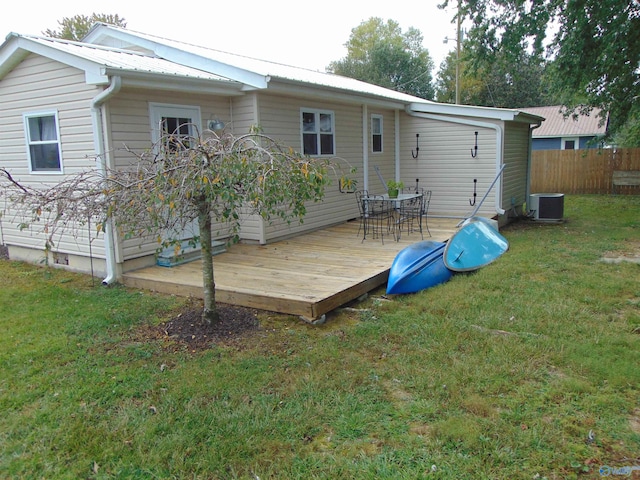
(445, 166)
(130, 126)
(38, 85)
(280, 118)
(516, 157)
(245, 115)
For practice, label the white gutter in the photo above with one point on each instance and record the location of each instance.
(98, 140)
(475, 123)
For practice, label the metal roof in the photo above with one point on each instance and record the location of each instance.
(116, 59)
(174, 50)
(556, 125)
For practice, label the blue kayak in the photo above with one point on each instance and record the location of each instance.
(475, 245)
(418, 267)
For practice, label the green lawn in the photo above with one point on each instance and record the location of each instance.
(525, 369)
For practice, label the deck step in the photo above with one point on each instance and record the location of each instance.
(188, 253)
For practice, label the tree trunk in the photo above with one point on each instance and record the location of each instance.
(210, 312)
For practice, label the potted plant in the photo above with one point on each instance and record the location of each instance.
(393, 188)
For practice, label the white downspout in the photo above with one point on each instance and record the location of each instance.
(98, 140)
(397, 144)
(475, 123)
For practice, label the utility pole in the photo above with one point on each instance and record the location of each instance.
(458, 55)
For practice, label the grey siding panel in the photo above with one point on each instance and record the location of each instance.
(445, 166)
(40, 84)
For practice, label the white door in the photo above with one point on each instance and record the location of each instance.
(182, 121)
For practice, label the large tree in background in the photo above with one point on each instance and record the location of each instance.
(503, 84)
(380, 53)
(76, 27)
(594, 46)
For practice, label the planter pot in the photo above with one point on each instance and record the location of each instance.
(393, 193)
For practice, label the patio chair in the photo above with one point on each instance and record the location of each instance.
(414, 213)
(379, 217)
(361, 195)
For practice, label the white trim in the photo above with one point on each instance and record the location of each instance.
(177, 52)
(576, 141)
(483, 113)
(158, 110)
(397, 144)
(29, 143)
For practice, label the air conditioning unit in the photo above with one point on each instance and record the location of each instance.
(548, 207)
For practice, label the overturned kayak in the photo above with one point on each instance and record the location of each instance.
(476, 244)
(418, 267)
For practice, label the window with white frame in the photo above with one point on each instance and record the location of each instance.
(376, 133)
(43, 142)
(570, 143)
(174, 124)
(318, 132)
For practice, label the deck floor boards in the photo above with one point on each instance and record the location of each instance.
(307, 275)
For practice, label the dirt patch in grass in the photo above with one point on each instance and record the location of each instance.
(185, 329)
(629, 252)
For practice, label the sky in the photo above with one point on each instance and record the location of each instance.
(309, 34)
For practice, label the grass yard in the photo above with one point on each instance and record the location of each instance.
(526, 369)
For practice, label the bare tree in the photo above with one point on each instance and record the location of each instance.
(203, 178)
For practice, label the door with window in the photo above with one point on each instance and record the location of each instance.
(175, 124)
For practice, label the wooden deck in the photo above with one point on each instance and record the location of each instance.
(308, 275)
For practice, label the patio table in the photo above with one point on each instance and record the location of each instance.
(394, 213)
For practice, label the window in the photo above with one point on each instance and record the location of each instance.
(376, 133)
(318, 136)
(43, 142)
(176, 132)
(570, 144)
(174, 123)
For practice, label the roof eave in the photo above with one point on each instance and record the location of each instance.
(17, 48)
(323, 92)
(502, 114)
(178, 83)
(167, 52)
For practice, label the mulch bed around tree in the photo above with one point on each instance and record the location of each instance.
(188, 330)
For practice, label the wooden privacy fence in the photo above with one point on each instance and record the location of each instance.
(582, 171)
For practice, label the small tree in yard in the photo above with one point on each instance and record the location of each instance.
(195, 178)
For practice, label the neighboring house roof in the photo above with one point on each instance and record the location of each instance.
(557, 125)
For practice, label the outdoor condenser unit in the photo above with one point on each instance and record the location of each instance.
(547, 207)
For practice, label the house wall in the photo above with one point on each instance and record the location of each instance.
(279, 117)
(546, 143)
(445, 165)
(516, 159)
(130, 125)
(555, 143)
(39, 84)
